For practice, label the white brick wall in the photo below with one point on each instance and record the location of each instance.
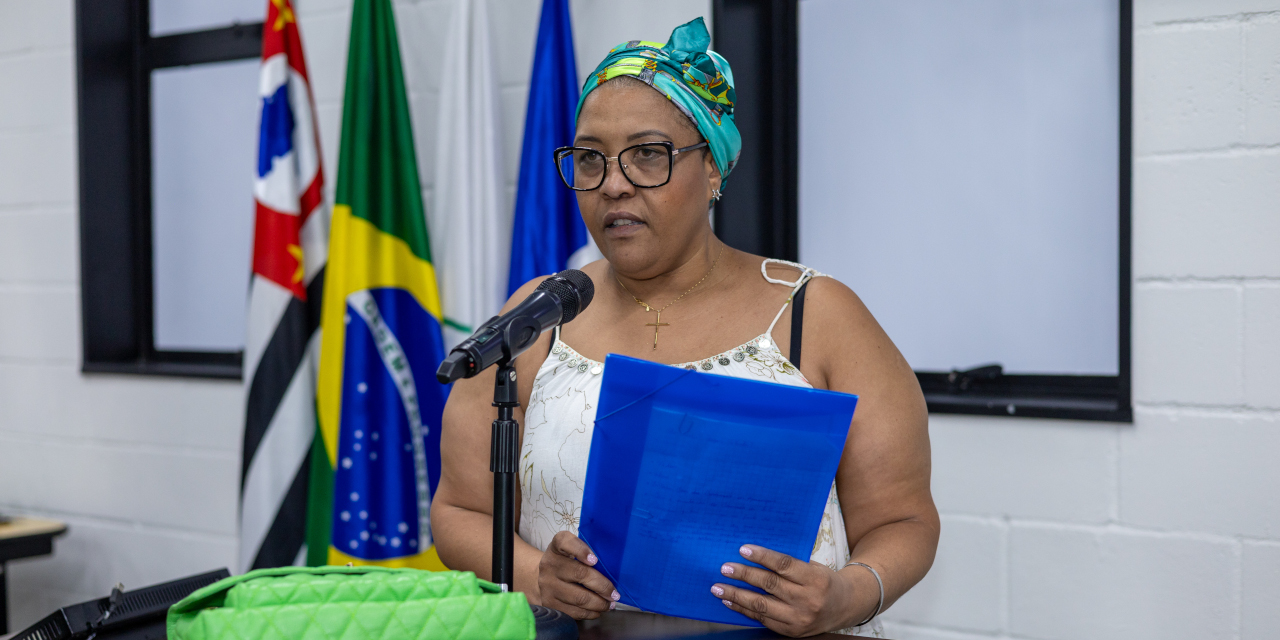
(1111, 583)
(1167, 528)
(1170, 527)
(1262, 357)
(1186, 343)
(969, 590)
(1024, 469)
(1260, 617)
(145, 470)
(1199, 470)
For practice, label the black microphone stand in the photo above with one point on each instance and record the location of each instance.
(499, 341)
(504, 458)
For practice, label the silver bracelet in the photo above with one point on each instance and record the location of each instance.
(880, 583)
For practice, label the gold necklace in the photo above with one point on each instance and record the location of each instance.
(647, 307)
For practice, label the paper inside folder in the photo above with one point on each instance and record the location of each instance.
(686, 467)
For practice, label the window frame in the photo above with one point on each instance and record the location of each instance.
(761, 214)
(115, 55)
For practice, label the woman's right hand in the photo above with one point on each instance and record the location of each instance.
(568, 582)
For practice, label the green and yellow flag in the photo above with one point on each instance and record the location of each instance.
(377, 461)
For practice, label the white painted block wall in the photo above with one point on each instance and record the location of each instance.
(144, 469)
(1167, 528)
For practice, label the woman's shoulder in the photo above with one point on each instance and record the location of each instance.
(845, 336)
(829, 303)
(826, 292)
(832, 306)
(833, 313)
(830, 290)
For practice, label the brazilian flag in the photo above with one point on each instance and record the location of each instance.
(377, 461)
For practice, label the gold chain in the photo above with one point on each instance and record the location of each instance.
(647, 307)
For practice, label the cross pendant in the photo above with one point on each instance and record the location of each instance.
(655, 324)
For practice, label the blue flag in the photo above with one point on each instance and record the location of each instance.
(548, 230)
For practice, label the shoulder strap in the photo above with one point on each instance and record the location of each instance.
(797, 323)
(796, 297)
(555, 335)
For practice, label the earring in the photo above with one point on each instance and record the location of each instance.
(715, 195)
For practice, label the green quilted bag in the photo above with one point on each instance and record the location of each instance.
(351, 603)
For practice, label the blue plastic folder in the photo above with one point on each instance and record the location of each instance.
(686, 467)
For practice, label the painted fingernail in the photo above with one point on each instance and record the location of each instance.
(745, 551)
(726, 570)
(613, 605)
(715, 589)
(591, 558)
(727, 603)
(616, 597)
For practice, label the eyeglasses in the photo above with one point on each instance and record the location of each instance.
(646, 165)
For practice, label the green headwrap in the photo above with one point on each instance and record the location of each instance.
(698, 81)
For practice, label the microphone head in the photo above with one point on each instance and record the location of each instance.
(573, 289)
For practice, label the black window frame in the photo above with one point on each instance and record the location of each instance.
(115, 55)
(760, 213)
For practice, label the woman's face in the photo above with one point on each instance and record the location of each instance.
(644, 232)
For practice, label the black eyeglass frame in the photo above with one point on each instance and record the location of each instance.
(672, 152)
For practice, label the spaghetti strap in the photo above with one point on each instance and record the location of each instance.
(797, 324)
(806, 274)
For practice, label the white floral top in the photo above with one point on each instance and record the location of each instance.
(560, 419)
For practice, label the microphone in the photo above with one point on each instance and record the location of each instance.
(556, 301)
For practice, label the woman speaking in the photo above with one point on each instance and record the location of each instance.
(654, 148)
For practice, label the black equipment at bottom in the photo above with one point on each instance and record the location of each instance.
(553, 625)
(123, 615)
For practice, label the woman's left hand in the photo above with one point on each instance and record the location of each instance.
(802, 598)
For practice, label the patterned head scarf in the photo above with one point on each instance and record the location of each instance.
(696, 80)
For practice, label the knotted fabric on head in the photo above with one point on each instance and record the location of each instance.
(696, 80)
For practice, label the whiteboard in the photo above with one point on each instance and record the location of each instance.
(959, 170)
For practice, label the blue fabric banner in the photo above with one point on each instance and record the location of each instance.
(547, 228)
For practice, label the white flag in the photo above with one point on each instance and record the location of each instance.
(470, 233)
